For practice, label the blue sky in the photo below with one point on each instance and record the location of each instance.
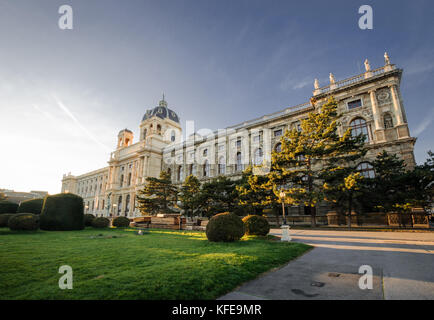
(65, 94)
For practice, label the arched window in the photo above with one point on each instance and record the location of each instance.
(129, 178)
(159, 129)
(388, 121)
(169, 171)
(121, 182)
(172, 136)
(145, 132)
(222, 165)
(180, 173)
(358, 126)
(366, 170)
(238, 166)
(278, 147)
(127, 205)
(259, 157)
(206, 169)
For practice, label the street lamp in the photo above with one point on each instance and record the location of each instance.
(285, 228)
(114, 209)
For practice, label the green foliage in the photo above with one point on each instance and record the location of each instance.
(4, 218)
(8, 207)
(121, 222)
(254, 195)
(88, 218)
(158, 196)
(225, 227)
(218, 195)
(31, 206)
(62, 212)
(310, 154)
(256, 225)
(190, 195)
(24, 221)
(100, 222)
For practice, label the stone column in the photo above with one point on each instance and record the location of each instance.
(396, 105)
(375, 111)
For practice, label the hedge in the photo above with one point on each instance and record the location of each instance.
(31, 206)
(8, 207)
(121, 222)
(100, 222)
(256, 225)
(225, 227)
(88, 218)
(24, 221)
(4, 218)
(62, 212)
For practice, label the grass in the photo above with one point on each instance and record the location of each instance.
(119, 264)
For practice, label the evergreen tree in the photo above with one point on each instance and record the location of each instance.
(309, 155)
(253, 194)
(190, 195)
(218, 195)
(158, 196)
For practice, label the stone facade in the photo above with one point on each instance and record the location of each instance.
(370, 103)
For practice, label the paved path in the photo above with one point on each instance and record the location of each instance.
(402, 263)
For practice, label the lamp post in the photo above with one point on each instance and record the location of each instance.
(114, 209)
(286, 237)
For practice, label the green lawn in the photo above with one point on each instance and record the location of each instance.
(118, 264)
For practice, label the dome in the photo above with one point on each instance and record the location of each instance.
(161, 111)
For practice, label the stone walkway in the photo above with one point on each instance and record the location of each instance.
(402, 263)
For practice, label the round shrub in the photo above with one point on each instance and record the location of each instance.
(62, 212)
(256, 225)
(88, 218)
(121, 222)
(100, 222)
(24, 221)
(225, 227)
(4, 218)
(31, 206)
(8, 207)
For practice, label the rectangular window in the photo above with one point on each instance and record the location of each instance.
(205, 152)
(257, 138)
(355, 104)
(278, 133)
(238, 143)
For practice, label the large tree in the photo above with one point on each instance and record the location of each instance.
(307, 155)
(190, 195)
(218, 195)
(253, 194)
(158, 196)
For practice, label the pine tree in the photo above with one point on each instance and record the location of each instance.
(218, 195)
(310, 154)
(190, 195)
(253, 194)
(158, 196)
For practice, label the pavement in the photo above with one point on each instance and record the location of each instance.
(402, 265)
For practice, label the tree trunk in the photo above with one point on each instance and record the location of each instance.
(313, 216)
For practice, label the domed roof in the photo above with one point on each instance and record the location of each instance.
(161, 111)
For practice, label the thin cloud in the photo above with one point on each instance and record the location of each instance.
(73, 118)
(425, 123)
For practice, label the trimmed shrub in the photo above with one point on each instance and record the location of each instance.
(256, 225)
(62, 212)
(24, 221)
(31, 206)
(4, 218)
(100, 222)
(121, 222)
(88, 218)
(8, 207)
(225, 227)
